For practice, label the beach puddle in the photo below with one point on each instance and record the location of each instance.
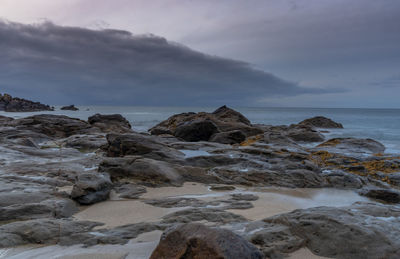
(194, 153)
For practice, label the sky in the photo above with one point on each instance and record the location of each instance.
(293, 53)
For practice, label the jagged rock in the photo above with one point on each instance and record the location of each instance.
(352, 145)
(362, 230)
(385, 195)
(114, 123)
(197, 130)
(198, 241)
(230, 137)
(90, 188)
(14, 104)
(304, 134)
(69, 108)
(321, 122)
(5, 119)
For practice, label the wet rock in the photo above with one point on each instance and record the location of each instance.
(352, 145)
(196, 130)
(91, 188)
(198, 241)
(394, 178)
(56, 126)
(113, 123)
(385, 195)
(229, 137)
(138, 144)
(69, 108)
(129, 190)
(41, 231)
(340, 179)
(217, 216)
(5, 119)
(142, 170)
(180, 202)
(227, 114)
(14, 104)
(322, 122)
(363, 230)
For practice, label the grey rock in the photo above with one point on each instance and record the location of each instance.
(322, 122)
(112, 123)
(91, 188)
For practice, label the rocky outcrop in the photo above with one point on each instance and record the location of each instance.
(223, 119)
(229, 137)
(55, 126)
(91, 188)
(352, 145)
(14, 104)
(363, 230)
(69, 108)
(321, 122)
(385, 195)
(113, 123)
(198, 241)
(139, 144)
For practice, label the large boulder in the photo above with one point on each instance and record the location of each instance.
(196, 130)
(301, 133)
(91, 188)
(229, 137)
(13, 104)
(385, 195)
(198, 241)
(352, 145)
(321, 122)
(112, 123)
(224, 118)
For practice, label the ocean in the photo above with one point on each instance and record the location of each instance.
(380, 124)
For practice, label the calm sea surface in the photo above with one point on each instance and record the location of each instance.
(379, 124)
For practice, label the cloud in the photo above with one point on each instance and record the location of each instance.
(60, 64)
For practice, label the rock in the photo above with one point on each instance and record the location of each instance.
(142, 170)
(222, 187)
(340, 179)
(56, 126)
(321, 122)
(362, 230)
(394, 178)
(224, 118)
(91, 188)
(129, 191)
(138, 144)
(41, 231)
(85, 143)
(226, 114)
(230, 137)
(196, 130)
(198, 241)
(4, 119)
(114, 123)
(304, 134)
(244, 197)
(275, 241)
(11, 104)
(57, 208)
(385, 195)
(69, 108)
(211, 215)
(352, 145)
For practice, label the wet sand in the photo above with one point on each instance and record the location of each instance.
(117, 212)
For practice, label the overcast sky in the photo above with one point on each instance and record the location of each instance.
(311, 53)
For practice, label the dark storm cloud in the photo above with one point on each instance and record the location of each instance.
(75, 65)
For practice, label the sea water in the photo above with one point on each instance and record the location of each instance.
(380, 124)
